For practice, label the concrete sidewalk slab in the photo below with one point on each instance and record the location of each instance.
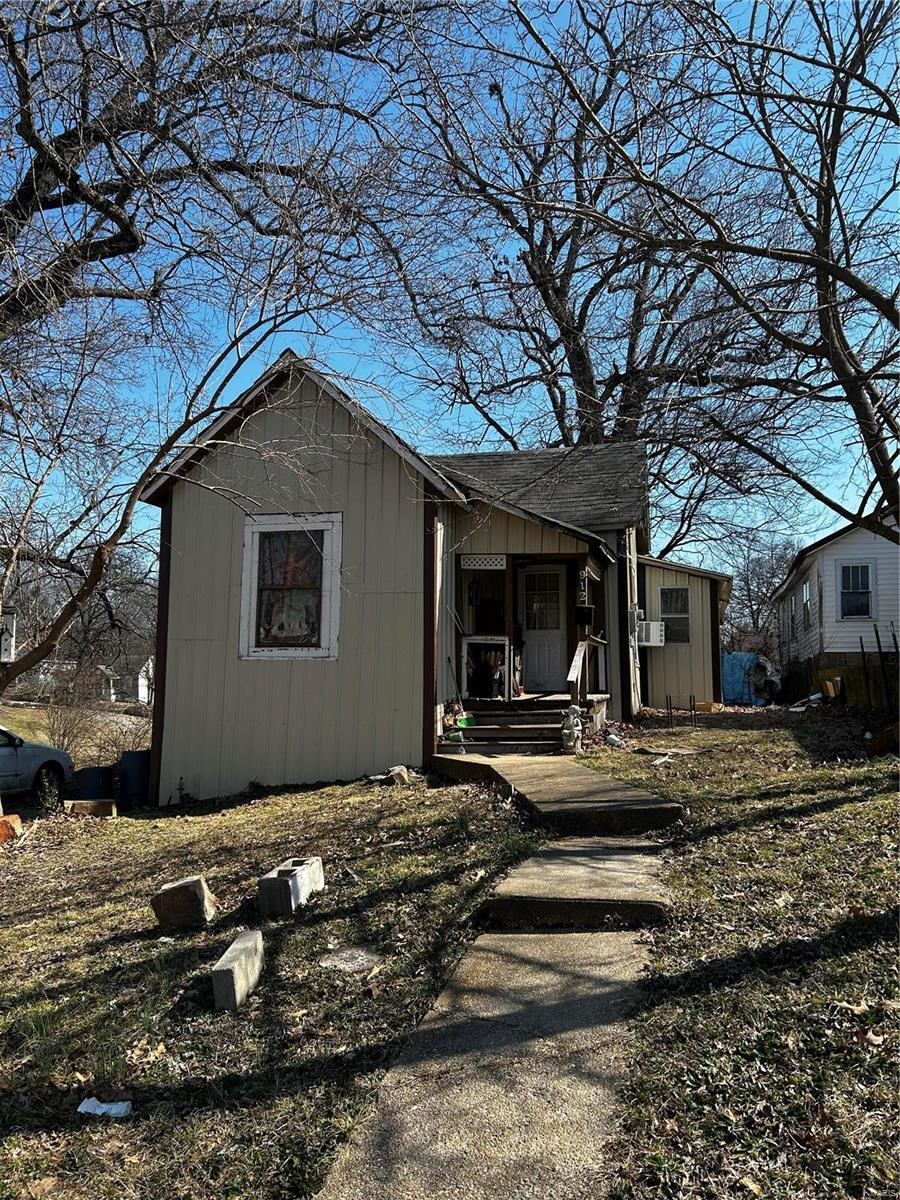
(571, 798)
(507, 1088)
(581, 883)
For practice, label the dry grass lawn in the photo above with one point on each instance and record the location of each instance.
(765, 1056)
(93, 1001)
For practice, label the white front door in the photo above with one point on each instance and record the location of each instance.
(544, 624)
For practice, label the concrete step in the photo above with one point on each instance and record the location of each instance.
(581, 883)
(598, 817)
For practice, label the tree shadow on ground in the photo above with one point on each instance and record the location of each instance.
(53, 1109)
(774, 814)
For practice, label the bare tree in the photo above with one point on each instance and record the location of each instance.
(792, 99)
(175, 175)
(758, 564)
(539, 307)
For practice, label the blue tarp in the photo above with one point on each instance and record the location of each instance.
(736, 687)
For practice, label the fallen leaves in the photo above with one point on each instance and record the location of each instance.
(39, 1188)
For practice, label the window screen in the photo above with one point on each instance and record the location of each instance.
(542, 600)
(675, 613)
(856, 591)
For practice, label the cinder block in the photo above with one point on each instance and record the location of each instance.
(237, 972)
(185, 904)
(91, 808)
(10, 828)
(289, 885)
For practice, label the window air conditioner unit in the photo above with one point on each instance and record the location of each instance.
(651, 633)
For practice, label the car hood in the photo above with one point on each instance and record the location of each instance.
(45, 749)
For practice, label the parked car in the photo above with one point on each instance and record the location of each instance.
(29, 766)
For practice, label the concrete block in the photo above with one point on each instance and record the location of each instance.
(186, 904)
(289, 885)
(237, 972)
(10, 828)
(91, 808)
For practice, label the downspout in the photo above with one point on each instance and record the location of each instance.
(429, 626)
(162, 643)
(624, 637)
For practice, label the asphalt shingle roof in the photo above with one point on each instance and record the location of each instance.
(592, 488)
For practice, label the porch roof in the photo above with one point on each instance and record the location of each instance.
(588, 489)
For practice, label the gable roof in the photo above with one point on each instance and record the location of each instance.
(583, 490)
(725, 581)
(287, 364)
(586, 489)
(804, 553)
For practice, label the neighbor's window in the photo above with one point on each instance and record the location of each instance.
(290, 592)
(856, 589)
(792, 611)
(675, 613)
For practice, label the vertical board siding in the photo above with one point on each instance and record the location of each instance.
(445, 604)
(680, 670)
(228, 720)
(485, 530)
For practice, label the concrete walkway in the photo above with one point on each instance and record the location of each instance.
(581, 883)
(569, 797)
(506, 1091)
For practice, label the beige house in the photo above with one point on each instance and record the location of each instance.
(689, 603)
(326, 592)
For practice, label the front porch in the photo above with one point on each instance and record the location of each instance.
(528, 640)
(529, 628)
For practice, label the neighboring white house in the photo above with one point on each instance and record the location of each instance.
(837, 591)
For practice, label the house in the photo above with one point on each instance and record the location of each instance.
(326, 591)
(841, 597)
(690, 604)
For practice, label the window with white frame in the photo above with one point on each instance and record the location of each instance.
(792, 614)
(290, 588)
(675, 614)
(855, 585)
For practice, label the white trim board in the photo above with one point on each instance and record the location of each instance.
(331, 523)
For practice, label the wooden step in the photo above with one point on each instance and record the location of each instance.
(552, 716)
(495, 746)
(512, 731)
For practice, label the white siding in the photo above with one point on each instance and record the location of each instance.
(830, 633)
(842, 635)
(229, 720)
(805, 641)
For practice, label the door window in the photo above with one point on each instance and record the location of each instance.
(542, 600)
